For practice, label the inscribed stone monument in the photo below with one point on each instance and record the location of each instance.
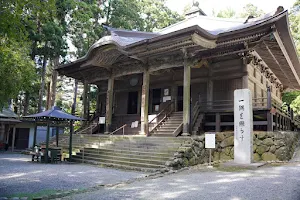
(243, 127)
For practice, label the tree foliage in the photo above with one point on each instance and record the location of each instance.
(248, 10)
(16, 71)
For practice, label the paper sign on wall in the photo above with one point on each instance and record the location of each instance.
(101, 120)
(210, 140)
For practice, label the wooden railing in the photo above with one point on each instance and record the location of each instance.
(122, 127)
(162, 116)
(195, 113)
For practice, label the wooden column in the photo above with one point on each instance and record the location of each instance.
(144, 104)
(85, 99)
(13, 139)
(269, 107)
(276, 122)
(34, 135)
(47, 142)
(245, 76)
(57, 135)
(109, 104)
(218, 122)
(210, 90)
(186, 96)
(70, 140)
(174, 94)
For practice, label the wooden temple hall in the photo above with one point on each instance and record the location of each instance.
(181, 79)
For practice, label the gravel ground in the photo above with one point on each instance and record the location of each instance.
(17, 175)
(268, 183)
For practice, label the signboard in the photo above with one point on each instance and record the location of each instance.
(151, 117)
(243, 126)
(210, 140)
(166, 98)
(101, 120)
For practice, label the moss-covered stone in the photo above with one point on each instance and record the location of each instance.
(268, 142)
(223, 156)
(227, 142)
(268, 156)
(227, 150)
(216, 156)
(272, 149)
(256, 157)
(220, 137)
(254, 147)
(282, 153)
(192, 161)
(261, 135)
(262, 149)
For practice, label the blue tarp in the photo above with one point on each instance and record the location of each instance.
(55, 113)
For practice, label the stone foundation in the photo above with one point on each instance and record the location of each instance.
(267, 146)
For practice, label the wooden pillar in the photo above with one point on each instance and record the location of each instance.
(174, 93)
(47, 142)
(218, 122)
(34, 135)
(13, 139)
(209, 89)
(98, 104)
(57, 135)
(245, 75)
(70, 140)
(276, 122)
(144, 104)
(186, 96)
(269, 114)
(85, 100)
(109, 104)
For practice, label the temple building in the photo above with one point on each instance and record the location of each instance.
(181, 79)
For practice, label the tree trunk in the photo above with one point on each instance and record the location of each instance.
(54, 81)
(75, 97)
(42, 89)
(48, 101)
(26, 103)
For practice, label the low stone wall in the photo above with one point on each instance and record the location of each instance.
(267, 146)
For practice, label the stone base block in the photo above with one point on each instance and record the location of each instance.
(232, 164)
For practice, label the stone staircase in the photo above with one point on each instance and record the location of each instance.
(170, 126)
(129, 152)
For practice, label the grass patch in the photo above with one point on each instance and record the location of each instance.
(36, 195)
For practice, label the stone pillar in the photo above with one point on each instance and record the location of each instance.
(144, 104)
(186, 97)
(109, 104)
(85, 99)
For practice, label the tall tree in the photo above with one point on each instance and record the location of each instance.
(251, 10)
(227, 13)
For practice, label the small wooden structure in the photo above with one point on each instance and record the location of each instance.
(57, 118)
(197, 64)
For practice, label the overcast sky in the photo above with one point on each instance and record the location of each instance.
(209, 5)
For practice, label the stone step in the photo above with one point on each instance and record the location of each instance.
(163, 150)
(128, 152)
(120, 162)
(130, 143)
(124, 158)
(113, 165)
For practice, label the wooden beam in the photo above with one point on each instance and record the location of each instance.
(287, 57)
